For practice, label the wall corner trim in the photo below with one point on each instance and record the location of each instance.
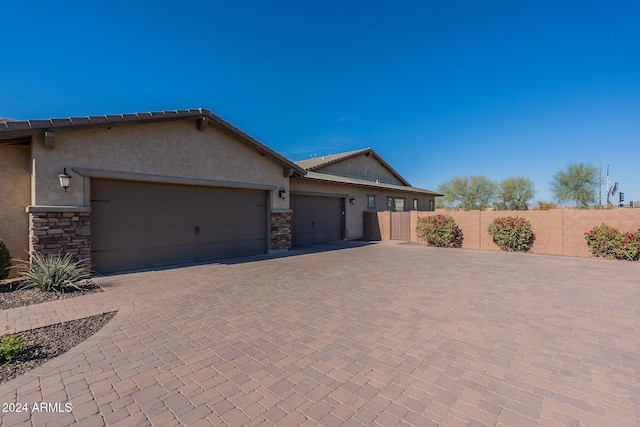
(43, 209)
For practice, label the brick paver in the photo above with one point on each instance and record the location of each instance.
(380, 334)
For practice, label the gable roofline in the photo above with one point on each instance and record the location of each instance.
(320, 162)
(16, 129)
(338, 179)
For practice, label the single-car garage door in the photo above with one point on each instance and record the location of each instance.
(138, 225)
(316, 219)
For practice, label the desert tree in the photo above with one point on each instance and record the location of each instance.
(514, 193)
(468, 193)
(578, 183)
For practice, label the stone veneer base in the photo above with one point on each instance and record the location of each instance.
(280, 230)
(60, 232)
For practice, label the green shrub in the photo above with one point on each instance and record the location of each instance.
(10, 346)
(608, 242)
(512, 234)
(52, 272)
(5, 261)
(439, 230)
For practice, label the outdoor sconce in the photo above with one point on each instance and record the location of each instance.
(352, 200)
(282, 192)
(64, 178)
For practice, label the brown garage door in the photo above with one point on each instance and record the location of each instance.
(316, 219)
(138, 225)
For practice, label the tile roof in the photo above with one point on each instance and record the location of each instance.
(59, 124)
(319, 162)
(10, 129)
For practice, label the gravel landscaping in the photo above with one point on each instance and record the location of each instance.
(43, 344)
(11, 297)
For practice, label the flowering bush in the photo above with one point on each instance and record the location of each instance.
(512, 234)
(439, 230)
(609, 242)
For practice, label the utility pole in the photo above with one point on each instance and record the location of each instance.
(608, 189)
(600, 187)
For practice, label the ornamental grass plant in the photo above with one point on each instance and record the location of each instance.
(52, 273)
(512, 234)
(440, 231)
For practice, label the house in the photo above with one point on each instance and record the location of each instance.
(329, 200)
(163, 188)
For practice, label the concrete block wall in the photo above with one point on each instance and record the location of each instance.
(558, 231)
(377, 225)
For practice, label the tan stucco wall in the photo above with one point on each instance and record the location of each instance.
(353, 212)
(362, 166)
(175, 149)
(15, 190)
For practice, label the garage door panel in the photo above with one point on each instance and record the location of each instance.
(302, 238)
(250, 214)
(250, 246)
(173, 254)
(250, 230)
(172, 214)
(222, 248)
(120, 237)
(110, 213)
(118, 191)
(172, 234)
(214, 196)
(333, 235)
(214, 214)
(215, 232)
(119, 260)
(171, 194)
(249, 198)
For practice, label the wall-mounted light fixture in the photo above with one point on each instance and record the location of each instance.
(64, 178)
(282, 192)
(352, 200)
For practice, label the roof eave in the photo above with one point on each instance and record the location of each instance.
(370, 184)
(12, 130)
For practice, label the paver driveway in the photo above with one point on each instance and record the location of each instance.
(380, 334)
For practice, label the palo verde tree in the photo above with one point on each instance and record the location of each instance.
(577, 183)
(468, 193)
(514, 193)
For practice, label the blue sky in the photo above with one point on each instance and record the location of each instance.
(439, 89)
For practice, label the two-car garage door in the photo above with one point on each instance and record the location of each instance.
(138, 225)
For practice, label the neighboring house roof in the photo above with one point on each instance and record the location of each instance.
(320, 162)
(22, 130)
(324, 177)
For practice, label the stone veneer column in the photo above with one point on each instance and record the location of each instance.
(54, 230)
(280, 230)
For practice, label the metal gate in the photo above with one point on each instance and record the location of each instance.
(401, 226)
